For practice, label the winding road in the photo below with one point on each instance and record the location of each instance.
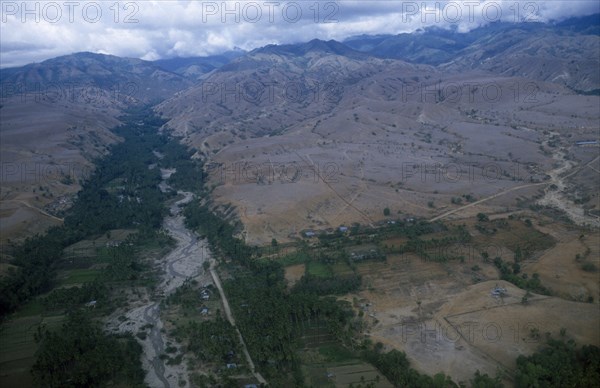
(555, 179)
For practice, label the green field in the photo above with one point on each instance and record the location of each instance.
(18, 345)
(342, 268)
(77, 276)
(319, 269)
(332, 365)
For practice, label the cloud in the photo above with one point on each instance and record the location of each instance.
(37, 30)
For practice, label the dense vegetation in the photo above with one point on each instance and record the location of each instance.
(267, 314)
(396, 368)
(81, 355)
(510, 273)
(334, 285)
(121, 193)
(560, 364)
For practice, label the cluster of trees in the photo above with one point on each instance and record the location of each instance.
(332, 285)
(121, 193)
(212, 341)
(80, 354)
(510, 273)
(560, 364)
(73, 297)
(430, 249)
(94, 211)
(34, 272)
(218, 232)
(266, 312)
(189, 174)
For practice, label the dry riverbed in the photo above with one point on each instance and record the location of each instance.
(143, 313)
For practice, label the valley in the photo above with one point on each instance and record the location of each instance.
(394, 210)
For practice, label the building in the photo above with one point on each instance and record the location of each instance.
(587, 143)
(309, 233)
(204, 294)
(91, 303)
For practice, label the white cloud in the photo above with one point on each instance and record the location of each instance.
(158, 29)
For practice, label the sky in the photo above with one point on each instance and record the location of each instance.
(32, 31)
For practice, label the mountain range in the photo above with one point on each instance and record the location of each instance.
(364, 107)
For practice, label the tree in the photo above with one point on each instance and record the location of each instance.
(560, 364)
(481, 217)
(274, 243)
(386, 211)
(485, 381)
(81, 355)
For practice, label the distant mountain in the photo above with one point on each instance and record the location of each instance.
(134, 78)
(292, 82)
(196, 67)
(564, 52)
(315, 45)
(433, 46)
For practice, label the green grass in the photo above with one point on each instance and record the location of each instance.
(294, 258)
(18, 347)
(78, 276)
(343, 374)
(336, 353)
(319, 269)
(342, 268)
(31, 308)
(316, 376)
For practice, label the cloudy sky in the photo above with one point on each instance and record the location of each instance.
(37, 30)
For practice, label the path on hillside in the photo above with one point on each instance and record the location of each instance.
(26, 204)
(555, 179)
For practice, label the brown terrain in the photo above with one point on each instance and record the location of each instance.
(389, 137)
(44, 157)
(318, 135)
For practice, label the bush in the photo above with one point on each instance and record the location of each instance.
(589, 267)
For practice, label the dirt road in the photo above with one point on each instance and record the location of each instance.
(551, 198)
(231, 320)
(41, 211)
